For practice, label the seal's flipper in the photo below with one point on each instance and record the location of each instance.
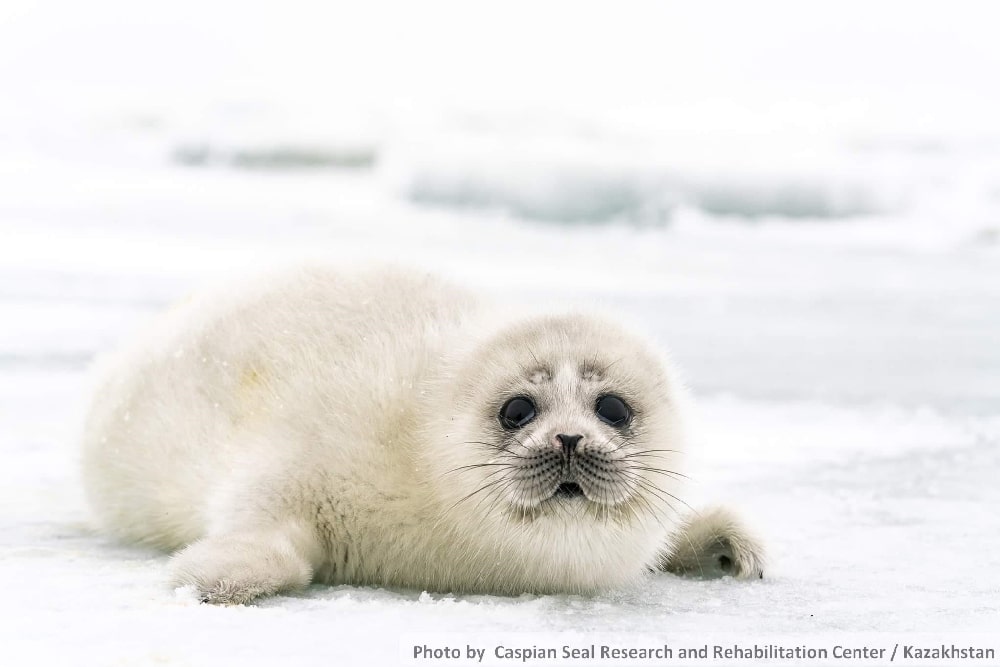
(235, 568)
(714, 544)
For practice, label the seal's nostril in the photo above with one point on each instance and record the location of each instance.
(568, 442)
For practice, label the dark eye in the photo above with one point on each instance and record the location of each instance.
(517, 412)
(612, 410)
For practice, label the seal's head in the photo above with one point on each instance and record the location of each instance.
(563, 426)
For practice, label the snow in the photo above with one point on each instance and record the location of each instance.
(806, 212)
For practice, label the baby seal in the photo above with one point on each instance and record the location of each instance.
(387, 428)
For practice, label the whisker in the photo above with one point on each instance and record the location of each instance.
(660, 471)
(660, 493)
(474, 466)
(645, 452)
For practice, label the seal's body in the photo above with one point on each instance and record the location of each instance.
(387, 428)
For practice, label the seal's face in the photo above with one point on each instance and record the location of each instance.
(567, 437)
(573, 417)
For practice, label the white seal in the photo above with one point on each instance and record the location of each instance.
(386, 428)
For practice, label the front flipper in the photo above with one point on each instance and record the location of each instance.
(714, 544)
(236, 567)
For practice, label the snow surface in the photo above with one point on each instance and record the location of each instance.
(805, 211)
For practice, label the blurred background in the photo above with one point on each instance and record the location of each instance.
(804, 200)
(800, 200)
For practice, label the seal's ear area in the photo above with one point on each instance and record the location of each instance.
(714, 544)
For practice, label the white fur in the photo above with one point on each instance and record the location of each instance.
(320, 425)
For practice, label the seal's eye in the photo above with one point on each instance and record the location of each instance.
(612, 410)
(517, 412)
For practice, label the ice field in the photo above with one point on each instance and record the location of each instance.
(823, 265)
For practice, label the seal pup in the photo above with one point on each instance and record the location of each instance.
(384, 427)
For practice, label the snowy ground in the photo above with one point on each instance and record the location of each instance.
(825, 269)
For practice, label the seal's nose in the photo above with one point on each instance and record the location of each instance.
(568, 442)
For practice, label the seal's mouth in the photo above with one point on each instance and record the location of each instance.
(568, 490)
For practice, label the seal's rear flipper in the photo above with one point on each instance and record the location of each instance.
(714, 544)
